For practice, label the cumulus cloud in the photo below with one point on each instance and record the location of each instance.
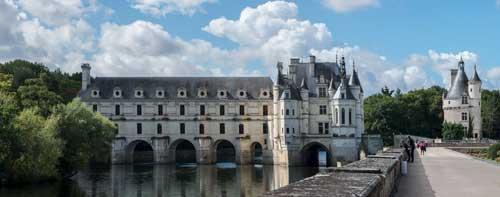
(145, 48)
(443, 62)
(349, 5)
(163, 7)
(271, 32)
(56, 12)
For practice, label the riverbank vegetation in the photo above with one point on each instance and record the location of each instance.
(46, 134)
(419, 112)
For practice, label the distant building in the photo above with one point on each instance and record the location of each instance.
(315, 109)
(462, 101)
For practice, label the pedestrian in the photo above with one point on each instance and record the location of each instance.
(411, 143)
(423, 147)
(407, 149)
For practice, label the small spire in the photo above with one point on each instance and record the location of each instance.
(475, 77)
(303, 85)
(332, 86)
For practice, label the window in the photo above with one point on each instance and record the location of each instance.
(181, 93)
(350, 116)
(265, 128)
(94, 107)
(181, 110)
(158, 128)
(326, 127)
(343, 116)
(95, 93)
(202, 110)
(264, 110)
(293, 112)
(118, 93)
(222, 110)
(222, 128)
(287, 95)
(322, 92)
(342, 95)
(464, 100)
(322, 109)
(117, 128)
(241, 129)
(287, 112)
(336, 115)
(320, 128)
(293, 130)
(202, 129)
(138, 93)
(139, 128)
(159, 93)
(182, 128)
(287, 130)
(464, 115)
(117, 110)
(160, 110)
(242, 110)
(139, 110)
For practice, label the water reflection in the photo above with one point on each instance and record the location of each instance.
(220, 180)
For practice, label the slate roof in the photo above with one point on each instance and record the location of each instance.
(459, 87)
(475, 78)
(149, 85)
(354, 80)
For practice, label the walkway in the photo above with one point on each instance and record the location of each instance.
(442, 172)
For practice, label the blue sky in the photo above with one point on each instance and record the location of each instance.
(402, 44)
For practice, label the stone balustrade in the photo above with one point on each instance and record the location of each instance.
(375, 176)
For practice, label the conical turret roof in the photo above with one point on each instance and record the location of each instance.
(475, 78)
(460, 84)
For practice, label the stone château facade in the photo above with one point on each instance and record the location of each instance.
(316, 108)
(462, 102)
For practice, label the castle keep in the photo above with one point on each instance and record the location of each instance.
(313, 110)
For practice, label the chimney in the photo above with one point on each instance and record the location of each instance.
(85, 76)
(312, 59)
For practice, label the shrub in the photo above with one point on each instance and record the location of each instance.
(493, 151)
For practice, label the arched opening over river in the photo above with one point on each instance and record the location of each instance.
(316, 154)
(225, 152)
(257, 153)
(183, 151)
(140, 151)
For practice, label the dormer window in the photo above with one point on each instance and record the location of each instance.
(181, 93)
(222, 93)
(242, 93)
(139, 93)
(95, 93)
(264, 94)
(464, 100)
(160, 93)
(117, 93)
(202, 93)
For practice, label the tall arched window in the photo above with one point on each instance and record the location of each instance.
(350, 116)
(158, 128)
(202, 129)
(343, 116)
(336, 115)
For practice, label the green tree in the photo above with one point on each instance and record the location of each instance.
(453, 131)
(85, 134)
(32, 149)
(490, 113)
(34, 93)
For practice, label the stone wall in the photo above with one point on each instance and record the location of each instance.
(375, 176)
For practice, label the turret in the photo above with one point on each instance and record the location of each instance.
(354, 83)
(475, 85)
(85, 76)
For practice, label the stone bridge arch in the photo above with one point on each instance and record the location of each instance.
(183, 151)
(140, 151)
(257, 153)
(312, 152)
(225, 151)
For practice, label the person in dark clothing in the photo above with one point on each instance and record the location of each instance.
(411, 142)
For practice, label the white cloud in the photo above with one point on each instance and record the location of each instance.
(163, 7)
(145, 48)
(443, 62)
(349, 5)
(498, 3)
(57, 12)
(271, 32)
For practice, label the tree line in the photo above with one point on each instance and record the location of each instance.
(46, 134)
(419, 112)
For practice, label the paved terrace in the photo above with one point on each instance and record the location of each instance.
(443, 172)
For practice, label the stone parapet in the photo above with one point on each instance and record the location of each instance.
(375, 176)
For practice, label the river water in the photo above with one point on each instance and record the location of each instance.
(221, 180)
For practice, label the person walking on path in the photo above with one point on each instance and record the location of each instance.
(407, 149)
(423, 147)
(411, 142)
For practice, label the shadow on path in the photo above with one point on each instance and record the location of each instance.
(416, 182)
